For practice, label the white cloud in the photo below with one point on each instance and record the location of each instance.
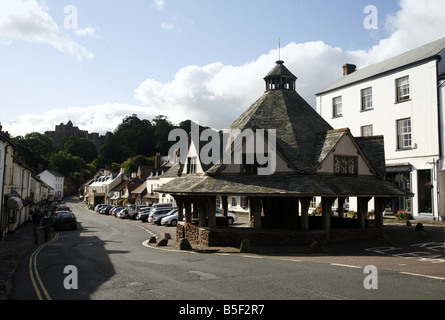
(29, 21)
(215, 94)
(167, 26)
(98, 118)
(159, 4)
(88, 30)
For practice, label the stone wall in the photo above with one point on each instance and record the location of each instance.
(193, 233)
(232, 237)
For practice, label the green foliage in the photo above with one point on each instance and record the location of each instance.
(35, 147)
(81, 147)
(132, 164)
(66, 163)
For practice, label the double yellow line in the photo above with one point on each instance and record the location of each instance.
(41, 292)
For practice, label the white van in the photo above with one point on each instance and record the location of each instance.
(162, 205)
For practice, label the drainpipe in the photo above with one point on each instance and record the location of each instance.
(439, 112)
(3, 191)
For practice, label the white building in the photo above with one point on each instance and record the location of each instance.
(55, 180)
(402, 99)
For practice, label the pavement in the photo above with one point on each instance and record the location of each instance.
(13, 249)
(15, 246)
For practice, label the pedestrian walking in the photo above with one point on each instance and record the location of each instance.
(36, 218)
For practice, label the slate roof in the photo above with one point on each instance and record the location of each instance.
(418, 55)
(282, 185)
(280, 70)
(296, 122)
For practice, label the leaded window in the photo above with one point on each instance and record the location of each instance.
(345, 165)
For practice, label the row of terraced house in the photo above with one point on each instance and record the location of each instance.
(21, 190)
(121, 188)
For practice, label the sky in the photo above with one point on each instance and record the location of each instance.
(95, 62)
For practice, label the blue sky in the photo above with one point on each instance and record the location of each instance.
(198, 59)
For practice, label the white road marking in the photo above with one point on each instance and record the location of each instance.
(345, 265)
(423, 275)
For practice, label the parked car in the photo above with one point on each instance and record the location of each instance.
(105, 209)
(157, 214)
(121, 213)
(232, 218)
(135, 209)
(63, 208)
(162, 205)
(65, 220)
(143, 214)
(171, 219)
(99, 206)
(115, 209)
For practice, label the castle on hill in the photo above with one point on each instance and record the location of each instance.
(64, 131)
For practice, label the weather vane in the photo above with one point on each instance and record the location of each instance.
(279, 49)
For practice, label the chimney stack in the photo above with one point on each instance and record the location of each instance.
(348, 69)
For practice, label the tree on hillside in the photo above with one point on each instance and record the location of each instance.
(66, 163)
(81, 147)
(132, 164)
(162, 130)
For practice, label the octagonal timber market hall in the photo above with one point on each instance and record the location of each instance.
(311, 159)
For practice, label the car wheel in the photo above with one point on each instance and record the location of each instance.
(230, 220)
(174, 223)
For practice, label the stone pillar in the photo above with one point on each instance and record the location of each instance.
(305, 203)
(188, 210)
(379, 208)
(255, 212)
(341, 203)
(225, 206)
(180, 205)
(362, 210)
(211, 211)
(326, 204)
(200, 210)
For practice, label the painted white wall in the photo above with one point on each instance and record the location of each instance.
(56, 182)
(423, 109)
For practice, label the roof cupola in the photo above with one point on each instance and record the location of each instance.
(280, 78)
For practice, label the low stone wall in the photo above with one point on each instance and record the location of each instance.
(193, 233)
(232, 237)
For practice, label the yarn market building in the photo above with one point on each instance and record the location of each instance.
(312, 160)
